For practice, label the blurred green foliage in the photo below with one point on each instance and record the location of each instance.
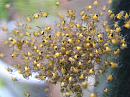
(3, 9)
(25, 7)
(2, 84)
(29, 6)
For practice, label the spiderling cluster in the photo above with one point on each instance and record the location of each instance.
(69, 51)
